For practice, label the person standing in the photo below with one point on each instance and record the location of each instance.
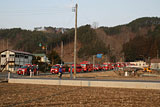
(37, 69)
(32, 70)
(28, 69)
(60, 72)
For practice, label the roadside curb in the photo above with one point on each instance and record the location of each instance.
(89, 83)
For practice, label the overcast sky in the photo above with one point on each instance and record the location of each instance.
(28, 14)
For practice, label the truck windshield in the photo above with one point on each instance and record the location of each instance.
(24, 67)
(54, 66)
(105, 65)
(84, 65)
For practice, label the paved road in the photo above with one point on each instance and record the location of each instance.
(4, 76)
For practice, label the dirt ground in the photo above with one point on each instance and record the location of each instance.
(24, 95)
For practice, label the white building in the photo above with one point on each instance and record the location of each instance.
(12, 60)
(155, 64)
(43, 57)
(140, 64)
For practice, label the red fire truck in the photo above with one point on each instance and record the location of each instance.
(86, 66)
(111, 66)
(97, 67)
(78, 68)
(105, 66)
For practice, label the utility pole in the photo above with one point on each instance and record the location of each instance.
(61, 51)
(46, 49)
(7, 43)
(157, 57)
(75, 42)
(93, 61)
(46, 58)
(157, 54)
(3, 45)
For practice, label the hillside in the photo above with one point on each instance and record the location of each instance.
(113, 42)
(117, 36)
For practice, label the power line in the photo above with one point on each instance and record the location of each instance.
(70, 20)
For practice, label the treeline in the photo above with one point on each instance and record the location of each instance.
(133, 26)
(140, 47)
(87, 36)
(143, 22)
(143, 47)
(112, 30)
(30, 41)
(91, 44)
(26, 40)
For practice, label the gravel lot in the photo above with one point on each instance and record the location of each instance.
(25, 95)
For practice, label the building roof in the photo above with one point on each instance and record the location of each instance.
(155, 60)
(68, 62)
(40, 55)
(15, 51)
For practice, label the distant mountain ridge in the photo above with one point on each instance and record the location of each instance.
(109, 41)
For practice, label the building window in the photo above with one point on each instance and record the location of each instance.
(17, 56)
(3, 55)
(21, 56)
(11, 66)
(26, 57)
(11, 55)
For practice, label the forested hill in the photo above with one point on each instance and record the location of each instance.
(121, 39)
(134, 26)
(143, 47)
(26, 40)
(114, 42)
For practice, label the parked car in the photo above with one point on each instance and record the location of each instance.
(26, 69)
(55, 69)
